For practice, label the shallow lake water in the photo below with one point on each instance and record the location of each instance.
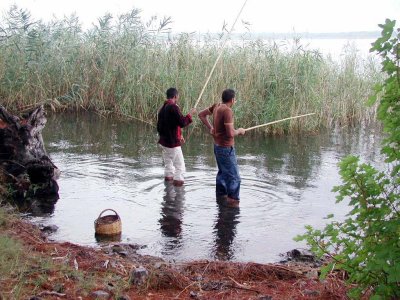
(110, 164)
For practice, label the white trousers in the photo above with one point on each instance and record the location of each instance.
(173, 162)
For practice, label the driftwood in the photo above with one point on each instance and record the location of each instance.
(27, 174)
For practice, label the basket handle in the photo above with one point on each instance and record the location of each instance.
(108, 209)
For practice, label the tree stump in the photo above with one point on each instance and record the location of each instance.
(27, 174)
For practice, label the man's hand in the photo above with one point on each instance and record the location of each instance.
(212, 131)
(241, 131)
(182, 140)
(193, 111)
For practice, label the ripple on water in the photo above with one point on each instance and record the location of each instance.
(280, 192)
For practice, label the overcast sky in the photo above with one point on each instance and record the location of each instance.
(209, 15)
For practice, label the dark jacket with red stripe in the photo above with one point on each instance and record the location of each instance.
(169, 124)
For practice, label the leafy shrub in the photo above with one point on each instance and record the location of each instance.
(367, 244)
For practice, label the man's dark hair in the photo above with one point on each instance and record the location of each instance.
(228, 95)
(171, 93)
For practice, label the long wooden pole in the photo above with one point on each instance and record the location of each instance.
(270, 123)
(219, 56)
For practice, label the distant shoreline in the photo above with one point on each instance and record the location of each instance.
(329, 35)
(302, 35)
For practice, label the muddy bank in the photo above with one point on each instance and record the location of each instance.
(117, 271)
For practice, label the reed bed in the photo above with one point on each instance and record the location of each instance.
(122, 65)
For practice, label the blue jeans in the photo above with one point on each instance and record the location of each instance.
(228, 179)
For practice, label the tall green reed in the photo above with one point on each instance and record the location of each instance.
(123, 65)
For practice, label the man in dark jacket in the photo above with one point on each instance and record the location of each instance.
(169, 124)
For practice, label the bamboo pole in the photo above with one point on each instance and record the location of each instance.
(219, 56)
(273, 122)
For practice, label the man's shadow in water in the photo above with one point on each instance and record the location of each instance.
(171, 215)
(225, 231)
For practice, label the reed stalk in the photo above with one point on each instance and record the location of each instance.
(122, 65)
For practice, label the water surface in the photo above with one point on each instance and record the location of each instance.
(286, 184)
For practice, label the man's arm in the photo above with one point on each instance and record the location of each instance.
(181, 120)
(229, 128)
(203, 115)
(232, 132)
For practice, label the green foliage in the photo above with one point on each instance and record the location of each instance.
(367, 244)
(10, 255)
(11, 264)
(389, 109)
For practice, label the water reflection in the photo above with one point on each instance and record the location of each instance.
(38, 208)
(104, 239)
(171, 215)
(286, 184)
(225, 231)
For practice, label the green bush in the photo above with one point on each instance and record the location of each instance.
(367, 244)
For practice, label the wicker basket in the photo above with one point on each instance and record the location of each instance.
(108, 225)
